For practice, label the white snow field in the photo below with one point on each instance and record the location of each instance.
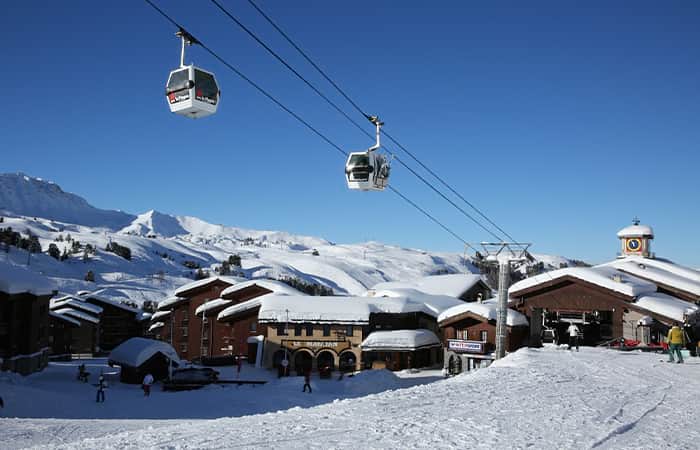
(535, 398)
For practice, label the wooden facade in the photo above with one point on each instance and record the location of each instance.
(61, 335)
(118, 323)
(24, 332)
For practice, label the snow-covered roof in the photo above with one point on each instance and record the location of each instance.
(170, 302)
(398, 340)
(604, 276)
(205, 281)
(64, 317)
(275, 286)
(155, 326)
(211, 304)
(247, 305)
(636, 231)
(18, 280)
(160, 314)
(662, 272)
(666, 305)
(487, 310)
(78, 314)
(72, 302)
(102, 296)
(282, 308)
(136, 351)
(453, 285)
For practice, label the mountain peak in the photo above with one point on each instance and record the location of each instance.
(25, 195)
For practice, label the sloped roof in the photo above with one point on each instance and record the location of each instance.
(205, 281)
(18, 280)
(170, 302)
(64, 317)
(275, 286)
(636, 231)
(602, 275)
(398, 340)
(452, 285)
(159, 315)
(75, 303)
(661, 272)
(487, 310)
(666, 305)
(136, 351)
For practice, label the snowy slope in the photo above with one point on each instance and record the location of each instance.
(535, 398)
(24, 195)
(161, 244)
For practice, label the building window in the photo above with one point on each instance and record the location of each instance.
(184, 331)
(349, 331)
(309, 330)
(183, 348)
(462, 334)
(297, 330)
(253, 326)
(326, 330)
(281, 329)
(484, 336)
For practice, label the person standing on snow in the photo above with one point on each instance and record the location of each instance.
(676, 340)
(239, 363)
(307, 379)
(147, 382)
(100, 389)
(573, 335)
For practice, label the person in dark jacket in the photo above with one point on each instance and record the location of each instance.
(100, 390)
(307, 379)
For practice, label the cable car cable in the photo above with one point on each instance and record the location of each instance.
(337, 108)
(355, 105)
(300, 119)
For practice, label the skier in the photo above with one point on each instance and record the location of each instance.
(147, 382)
(101, 389)
(239, 363)
(82, 374)
(573, 335)
(676, 339)
(307, 379)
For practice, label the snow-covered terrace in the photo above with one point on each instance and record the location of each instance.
(155, 326)
(400, 340)
(204, 308)
(160, 315)
(64, 317)
(72, 302)
(77, 314)
(487, 310)
(170, 302)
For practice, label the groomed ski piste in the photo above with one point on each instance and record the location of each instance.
(547, 398)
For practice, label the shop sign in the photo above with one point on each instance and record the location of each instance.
(461, 346)
(316, 344)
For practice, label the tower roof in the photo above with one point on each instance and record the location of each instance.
(636, 230)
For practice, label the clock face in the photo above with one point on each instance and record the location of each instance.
(634, 245)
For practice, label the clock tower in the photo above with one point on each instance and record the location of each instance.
(636, 240)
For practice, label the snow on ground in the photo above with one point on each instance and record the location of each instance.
(535, 398)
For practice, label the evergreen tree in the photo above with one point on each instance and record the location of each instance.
(54, 252)
(234, 260)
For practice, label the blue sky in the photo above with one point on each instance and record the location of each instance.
(560, 120)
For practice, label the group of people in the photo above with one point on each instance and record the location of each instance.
(83, 376)
(677, 338)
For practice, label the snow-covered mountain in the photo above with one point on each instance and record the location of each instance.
(166, 250)
(34, 197)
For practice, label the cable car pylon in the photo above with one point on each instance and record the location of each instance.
(368, 170)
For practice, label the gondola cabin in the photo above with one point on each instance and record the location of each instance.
(367, 171)
(192, 92)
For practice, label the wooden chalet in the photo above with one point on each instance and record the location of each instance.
(24, 319)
